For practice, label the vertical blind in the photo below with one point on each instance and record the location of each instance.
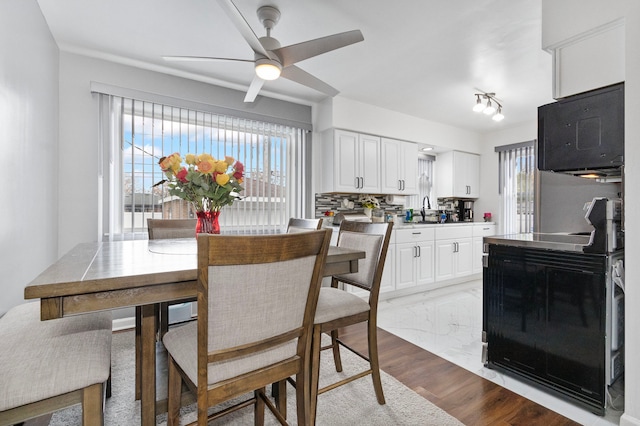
(516, 186)
(137, 133)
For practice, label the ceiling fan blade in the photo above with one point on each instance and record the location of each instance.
(201, 59)
(254, 89)
(243, 26)
(300, 76)
(307, 49)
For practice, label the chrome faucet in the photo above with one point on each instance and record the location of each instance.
(423, 212)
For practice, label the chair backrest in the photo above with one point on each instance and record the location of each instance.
(302, 225)
(373, 238)
(257, 297)
(160, 229)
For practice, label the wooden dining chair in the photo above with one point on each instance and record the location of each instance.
(339, 308)
(256, 302)
(160, 229)
(171, 228)
(300, 225)
(46, 366)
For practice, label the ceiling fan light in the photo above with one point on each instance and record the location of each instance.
(268, 69)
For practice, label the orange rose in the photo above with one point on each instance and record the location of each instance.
(206, 167)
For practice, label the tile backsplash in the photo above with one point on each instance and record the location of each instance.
(333, 202)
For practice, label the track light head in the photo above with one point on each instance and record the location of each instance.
(490, 109)
(478, 106)
(498, 115)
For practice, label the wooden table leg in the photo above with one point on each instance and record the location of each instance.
(148, 366)
(138, 350)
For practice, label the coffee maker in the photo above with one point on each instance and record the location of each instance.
(465, 210)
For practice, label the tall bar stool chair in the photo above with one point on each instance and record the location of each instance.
(339, 308)
(301, 225)
(161, 229)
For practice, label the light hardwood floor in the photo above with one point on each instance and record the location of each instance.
(470, 398)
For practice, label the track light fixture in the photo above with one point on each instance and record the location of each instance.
(492, 107)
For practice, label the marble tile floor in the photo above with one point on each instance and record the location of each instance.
(448, 323)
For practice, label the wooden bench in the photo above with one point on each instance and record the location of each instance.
(49, 365)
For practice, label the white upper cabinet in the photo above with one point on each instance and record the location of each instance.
(599, 50)
(458, 175)
(399, 161)
(352, 162)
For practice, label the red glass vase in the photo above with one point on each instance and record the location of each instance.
(208, 222)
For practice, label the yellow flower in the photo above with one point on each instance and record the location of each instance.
(221, 166)
(190, 159)
(222, 179)
(229, 160)
(171, 163)
(205, 157)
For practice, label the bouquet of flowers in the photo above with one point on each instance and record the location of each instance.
(207, 183)
(369, 202)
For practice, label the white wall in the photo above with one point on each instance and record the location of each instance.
(343, 113)
(29, 136)
(631, 415)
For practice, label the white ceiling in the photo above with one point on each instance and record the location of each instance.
(424, 58)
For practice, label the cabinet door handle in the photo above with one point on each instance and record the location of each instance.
(419, 251)
(402, 182)
(415, 251)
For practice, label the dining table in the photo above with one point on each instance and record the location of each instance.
(98, 276)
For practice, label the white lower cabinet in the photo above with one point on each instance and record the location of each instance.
(480, 231)
(426, 257)
(414, 257)
(388, 274)
(454, 252)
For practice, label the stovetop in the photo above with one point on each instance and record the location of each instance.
(550, 241)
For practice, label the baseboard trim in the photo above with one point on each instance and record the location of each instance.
(124, 324)
(628, 420)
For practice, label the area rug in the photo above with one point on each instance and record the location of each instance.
(351, 404)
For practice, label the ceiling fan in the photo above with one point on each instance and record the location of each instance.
(272, 61)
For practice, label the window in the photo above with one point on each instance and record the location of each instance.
(516, 186)
(142, 132)
(425, 183)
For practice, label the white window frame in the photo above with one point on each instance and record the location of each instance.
(266, 210)
(516, 186)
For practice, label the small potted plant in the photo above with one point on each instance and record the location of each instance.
(369, 202)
